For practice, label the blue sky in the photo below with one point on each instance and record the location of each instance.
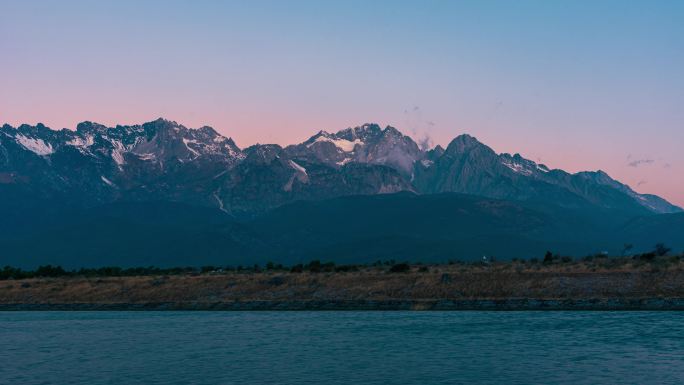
(576, 85)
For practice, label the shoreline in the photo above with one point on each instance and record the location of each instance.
(598, 304)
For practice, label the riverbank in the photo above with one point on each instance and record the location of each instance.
(650, 304)
(612, 284)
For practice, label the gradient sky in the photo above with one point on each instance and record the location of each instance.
(578, 85)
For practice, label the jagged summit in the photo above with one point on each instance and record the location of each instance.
(88, 126)
(364, 132)
(465, 142)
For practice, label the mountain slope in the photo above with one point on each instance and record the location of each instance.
(468, 166)
(131, 234)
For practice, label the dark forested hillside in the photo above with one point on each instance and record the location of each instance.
(354, 229)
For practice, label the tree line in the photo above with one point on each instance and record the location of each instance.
(315, 266)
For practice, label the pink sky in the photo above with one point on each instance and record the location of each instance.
(577, 87)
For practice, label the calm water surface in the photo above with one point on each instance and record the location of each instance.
(342, 347)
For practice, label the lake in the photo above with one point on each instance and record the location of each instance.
(342, 347)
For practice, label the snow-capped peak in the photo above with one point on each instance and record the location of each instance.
(342, 144)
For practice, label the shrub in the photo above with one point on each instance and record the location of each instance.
(9, 272)
(400, 268)
(298, 268)
(314, 266)
(328, 267)
(50, 271)
(346, 268)
(661, 249)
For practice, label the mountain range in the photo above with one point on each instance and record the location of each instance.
(366, 189)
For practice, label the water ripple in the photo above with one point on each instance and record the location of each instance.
(342, 347)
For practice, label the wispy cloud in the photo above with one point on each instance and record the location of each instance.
(419, 127)
(425, 143)
(641, 182)
(640, 162)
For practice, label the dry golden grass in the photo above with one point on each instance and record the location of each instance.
(603, 278)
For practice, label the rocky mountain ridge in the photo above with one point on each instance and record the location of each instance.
(166, 161)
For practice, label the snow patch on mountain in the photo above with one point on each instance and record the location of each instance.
(117, 153)
(220, 201)
(298, 167)
(107, 181)
(37, 146)
(118, 158)
(517, 167)
(79, 142)
(644, 201)
(149, 156)
(192, 150)
(222, 173)
(300, 175)
(342, 144)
